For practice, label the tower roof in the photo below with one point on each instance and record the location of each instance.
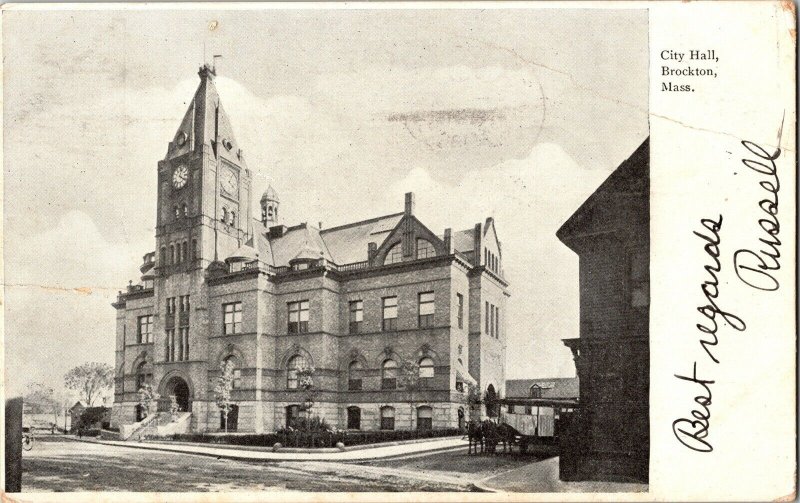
(270, 195)
(206, 123)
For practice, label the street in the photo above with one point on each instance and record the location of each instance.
(57, 464)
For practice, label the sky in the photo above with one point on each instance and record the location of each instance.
(518, 114)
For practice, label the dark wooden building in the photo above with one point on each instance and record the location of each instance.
(609, 436)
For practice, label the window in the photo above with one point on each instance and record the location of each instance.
(426, 309)
(171, 254)
(535, 391)
(232, 314)
(353, 418)
(487, 319)
(170, 356)
(354, 375)
(459, 386)
(460, 312)
(184, 251)
(183, 344)
(194, 249)
(236, 372)
(144, 375)
(298, 317)
(389, 313)
(394, 255)
(497, 322)
(387, 418)
(171, 305)
(163, 256)
(425, 249)
(233, 218)
(224, 217)
(185, 210)
(424, 418)
(144, 330)
(295, 363)
(356, 316)
(510, 408)
(292, 415)
(184, 303)
(177, 211)
(425, 372)
(491, 320)
(389, 375)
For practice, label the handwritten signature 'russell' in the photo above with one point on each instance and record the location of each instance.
(754, 268)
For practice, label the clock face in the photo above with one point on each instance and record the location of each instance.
(230, 182)
(180, 176)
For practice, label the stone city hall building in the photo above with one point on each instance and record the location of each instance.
(359, 303)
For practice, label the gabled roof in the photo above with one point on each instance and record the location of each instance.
(617, 202)
(349, 243)
(554, 387)
(297, 238)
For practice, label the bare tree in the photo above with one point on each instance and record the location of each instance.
(409, 380)
(90, 380)
(222, 389)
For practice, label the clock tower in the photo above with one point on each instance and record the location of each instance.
(204, 188)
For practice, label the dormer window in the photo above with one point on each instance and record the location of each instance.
(535, 391)
(395, 255)
(425, 249)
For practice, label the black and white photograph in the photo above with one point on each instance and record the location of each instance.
(326, 249)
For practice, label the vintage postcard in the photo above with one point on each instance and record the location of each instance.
(399, 251)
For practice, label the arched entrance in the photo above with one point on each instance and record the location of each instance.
(176, 386)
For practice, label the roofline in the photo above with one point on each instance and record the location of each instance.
(362, 222)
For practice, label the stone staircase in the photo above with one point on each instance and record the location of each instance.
(157, 425)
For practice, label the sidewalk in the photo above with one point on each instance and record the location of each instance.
(365, 454)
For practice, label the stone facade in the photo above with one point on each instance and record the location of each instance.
(267, 296)
(609, 439)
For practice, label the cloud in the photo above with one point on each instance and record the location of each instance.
(530, 198)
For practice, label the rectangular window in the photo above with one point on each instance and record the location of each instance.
(497, 322)
(184, 344)
(356, 316)
(232, 316)
(170, 356)
(145, 329)
(492, 322)
(354, 384)
(298, 317)
(487, 319)
(389, 313)
(460, 314)
(426, 309)
(237, 379)
(171, 305)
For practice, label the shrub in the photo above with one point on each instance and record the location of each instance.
(314, 439)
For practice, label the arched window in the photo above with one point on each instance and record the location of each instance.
(172, 254)
(354, 376)
(144, 375)
(425, 249)
(389, 375)
(425, 372)
(394, 255)
(185, 210)
(295, 363)
(224, 217)
(184, 251)
(424, 418)
(236, 371)
(387, 418)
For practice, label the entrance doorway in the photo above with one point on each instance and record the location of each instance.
(353, 418)
(292, 415)
(178, 388)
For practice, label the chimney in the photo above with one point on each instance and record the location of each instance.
(409, 203)
(372, 249)
(448, 240)
(478, 247)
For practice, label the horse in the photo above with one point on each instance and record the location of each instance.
(474, 435)
(507, 435)
(491, 435)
